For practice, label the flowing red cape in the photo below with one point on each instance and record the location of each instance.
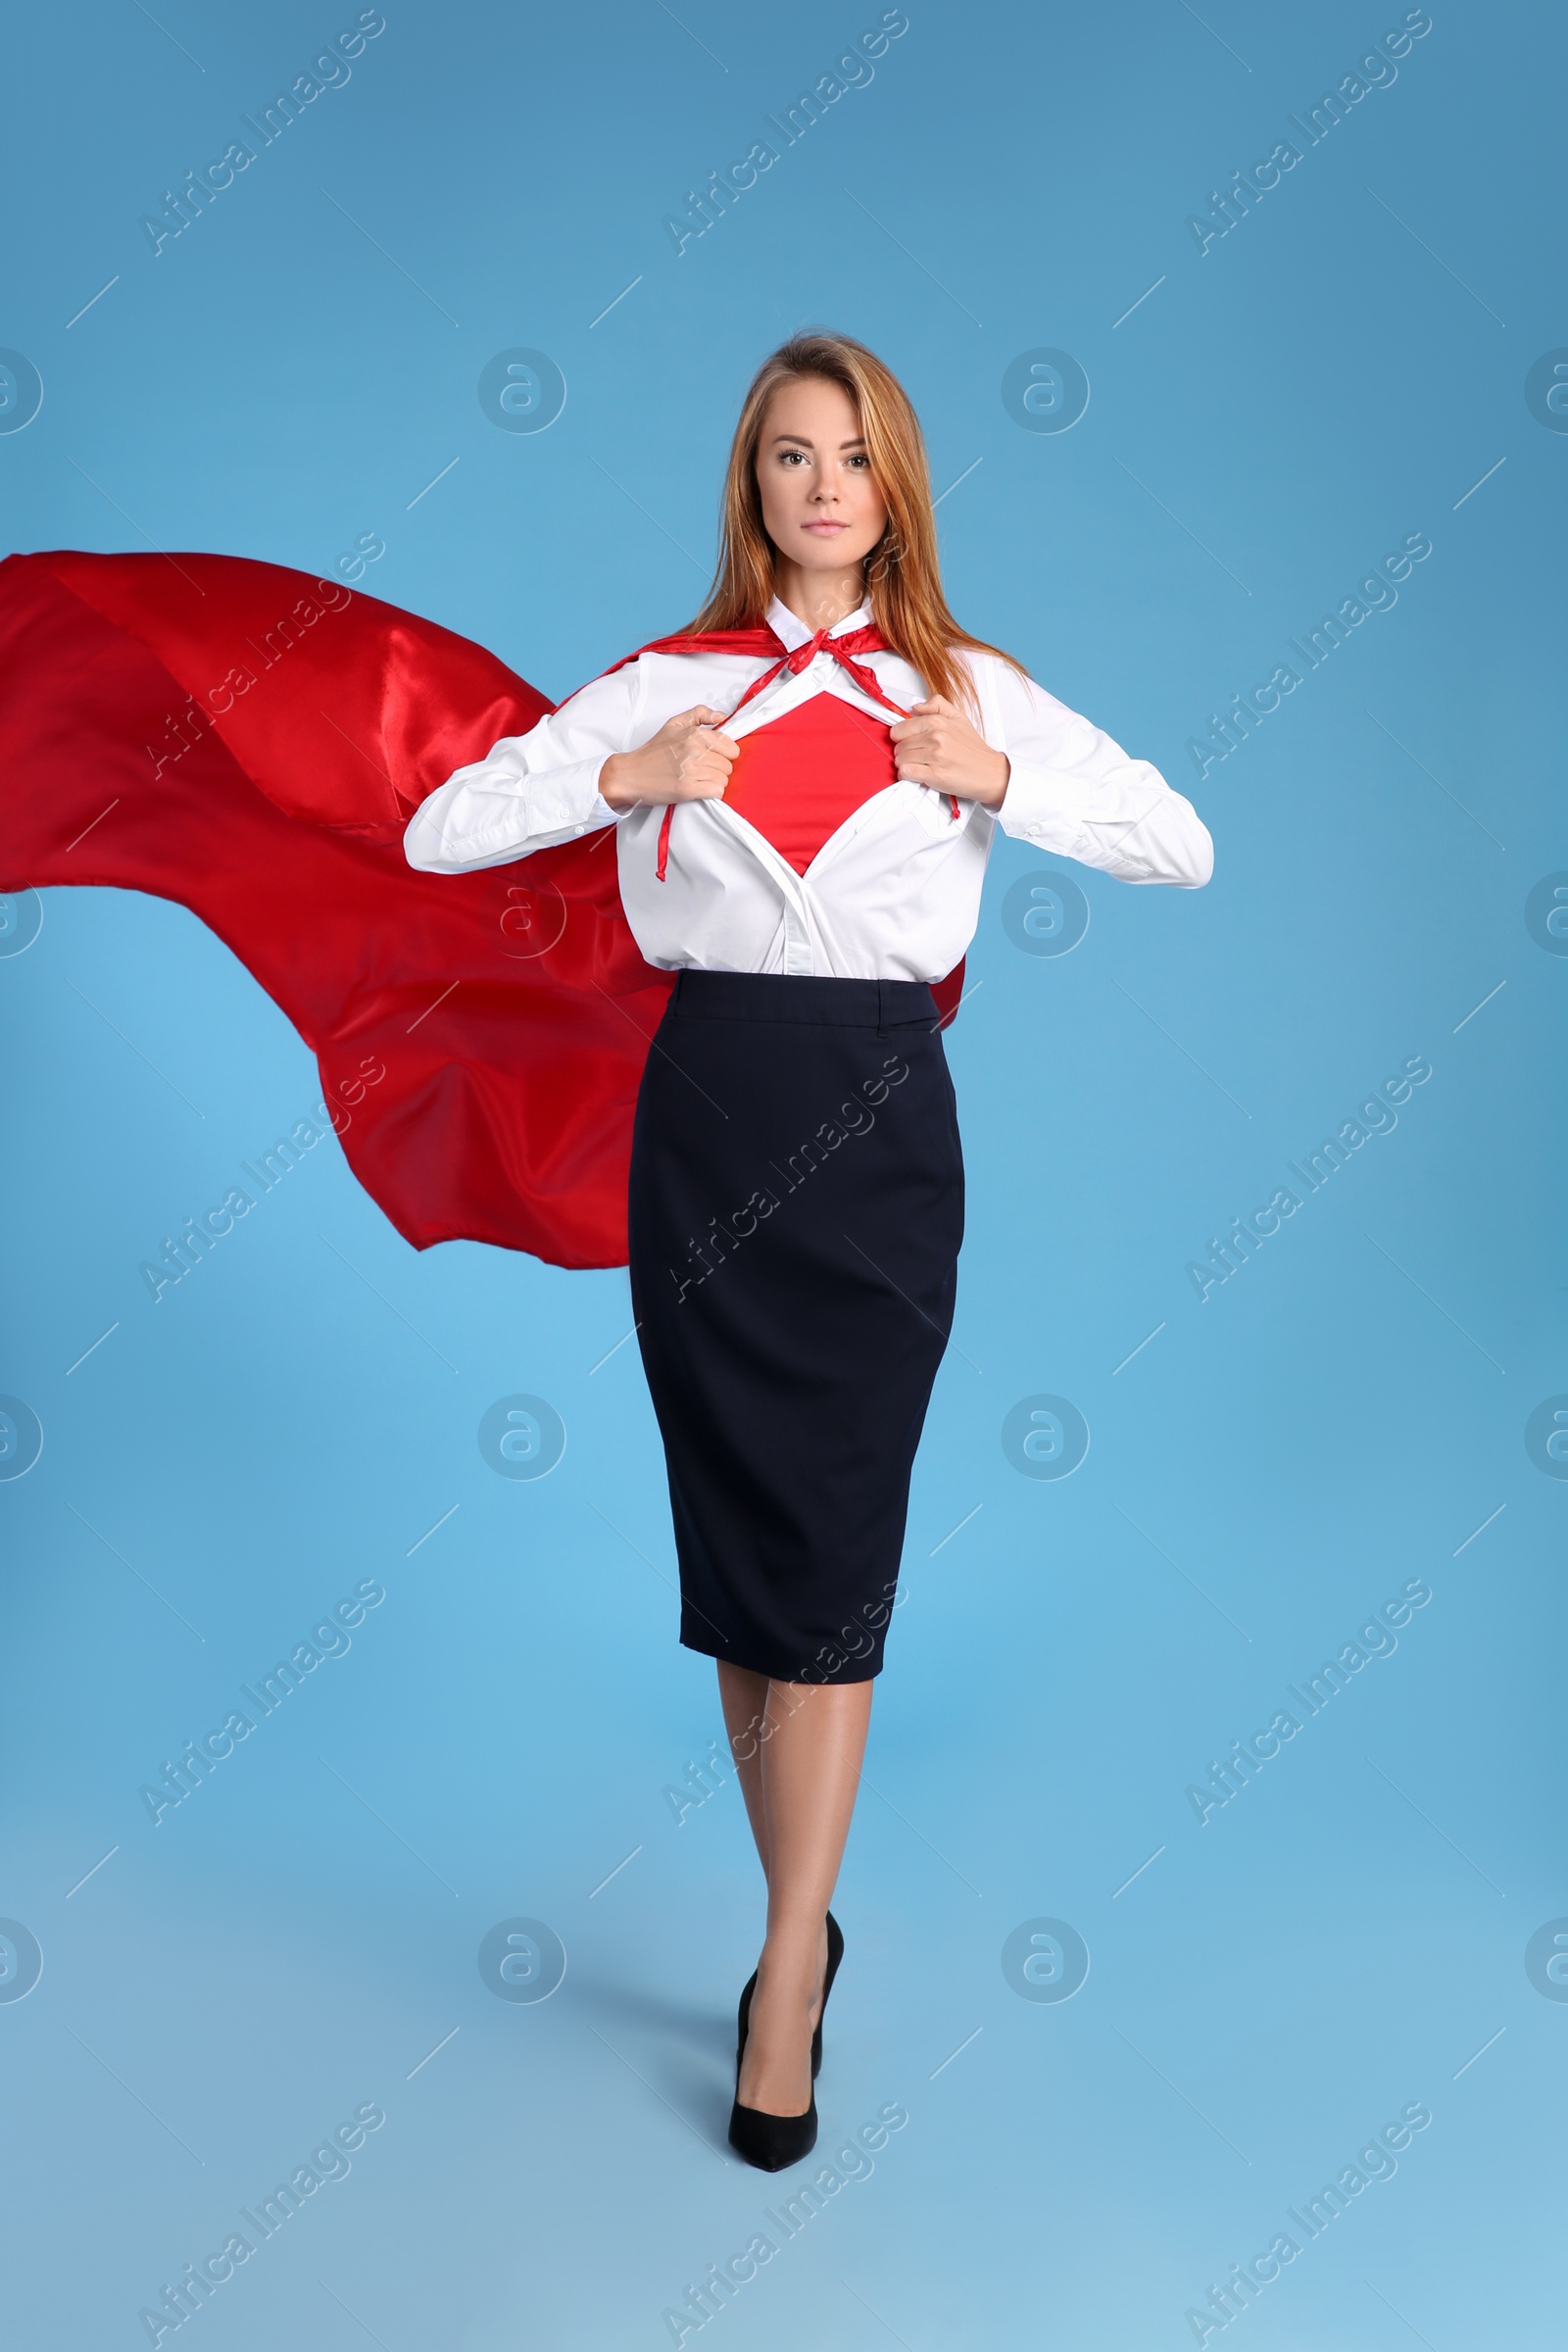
(250, 743)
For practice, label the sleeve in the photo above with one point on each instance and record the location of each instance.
(529, 791)
(1075, 792)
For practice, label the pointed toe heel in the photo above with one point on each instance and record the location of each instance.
(771, 2142)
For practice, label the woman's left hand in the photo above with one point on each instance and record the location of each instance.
(937, 745)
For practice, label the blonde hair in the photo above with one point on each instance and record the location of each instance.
(902, 572)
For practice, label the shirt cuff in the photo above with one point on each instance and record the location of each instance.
(566, 799)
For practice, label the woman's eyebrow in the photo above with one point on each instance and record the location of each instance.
(800, 441)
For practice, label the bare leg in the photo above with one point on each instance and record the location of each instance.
(800, 1769)
(743, 1696)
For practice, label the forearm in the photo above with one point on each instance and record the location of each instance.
(1130, 824)
(530, 791)
(489, 813)
(1074, 792)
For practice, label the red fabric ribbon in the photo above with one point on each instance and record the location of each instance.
(767, 640)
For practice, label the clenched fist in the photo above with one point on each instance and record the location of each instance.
(937, 745)
(688, 759)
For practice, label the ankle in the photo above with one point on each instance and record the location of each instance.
(793, 1977)
(795, 1930)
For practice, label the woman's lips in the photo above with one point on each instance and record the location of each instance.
(825, 530)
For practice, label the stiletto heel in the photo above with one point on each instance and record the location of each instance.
(834, 1953)
(743, 2021)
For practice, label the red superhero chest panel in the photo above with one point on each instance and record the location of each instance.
(799, 777)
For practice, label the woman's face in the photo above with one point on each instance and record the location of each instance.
(821, 504)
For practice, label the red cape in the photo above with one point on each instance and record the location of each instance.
(250, 741)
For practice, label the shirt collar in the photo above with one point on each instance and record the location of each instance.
(792, 631)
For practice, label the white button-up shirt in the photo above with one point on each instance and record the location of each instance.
(894, 894)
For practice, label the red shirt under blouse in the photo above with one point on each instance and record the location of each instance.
(799, 777)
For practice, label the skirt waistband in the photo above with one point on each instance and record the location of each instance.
(708, 996)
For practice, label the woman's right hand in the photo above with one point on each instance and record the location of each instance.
(688, 759)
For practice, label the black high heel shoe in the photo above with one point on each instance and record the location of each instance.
(773, 2141)
(834, 1953)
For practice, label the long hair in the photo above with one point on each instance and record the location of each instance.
(902, 572)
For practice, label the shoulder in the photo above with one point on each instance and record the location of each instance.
(635, 696)
(629, 677)
(1003, 687)
(664, 660)
(996, 672)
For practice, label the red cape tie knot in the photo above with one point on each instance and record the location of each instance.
(843, 650)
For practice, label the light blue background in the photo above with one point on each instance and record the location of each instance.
(1338, 1419)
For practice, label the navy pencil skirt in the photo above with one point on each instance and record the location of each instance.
(795, 1215)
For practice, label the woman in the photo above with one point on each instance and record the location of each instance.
(805, 788)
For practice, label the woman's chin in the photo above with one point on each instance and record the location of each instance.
(828, 555)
